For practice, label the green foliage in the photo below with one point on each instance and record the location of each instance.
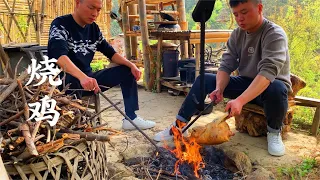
(300, 20)
(98, 65)
(298, 171)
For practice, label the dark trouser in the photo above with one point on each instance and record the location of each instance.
(274, 99)
(111, 77)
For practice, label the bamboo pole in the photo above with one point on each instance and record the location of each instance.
(145, 41)
(184, 26)
(126, 27)
(133, 10)
(158, 65)
(15, 20)
(38, 34)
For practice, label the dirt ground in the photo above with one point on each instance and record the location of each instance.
(162, 109)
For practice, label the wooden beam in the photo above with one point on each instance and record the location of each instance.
(209, 40)
(145, 42)
(316, 122)
(126, 27)
(158, 65)
(38, 33)
(184, 26)
(133, 9)
(11, 19)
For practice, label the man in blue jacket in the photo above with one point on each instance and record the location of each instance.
(73, 41)
(258, 49)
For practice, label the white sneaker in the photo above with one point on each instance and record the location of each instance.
(166, 134)
(275, 144)
(141, 123)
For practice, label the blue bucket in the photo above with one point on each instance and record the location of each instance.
(170, 63)
(187, 69)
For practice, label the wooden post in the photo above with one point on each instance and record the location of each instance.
(145, 42)
(126, 28)
(197, 60)
(38, 33)
(133, 10)
(159, 60)
(184, 26)
(43, 7)
(316, 122)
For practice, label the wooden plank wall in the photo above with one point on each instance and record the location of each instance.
(53, 9)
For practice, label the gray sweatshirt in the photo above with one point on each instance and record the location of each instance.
(264, 52)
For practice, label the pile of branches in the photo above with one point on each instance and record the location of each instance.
(23, 138)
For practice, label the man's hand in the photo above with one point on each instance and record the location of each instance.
(216, 96)
(89, 83)
(136, 72)
(234, 107)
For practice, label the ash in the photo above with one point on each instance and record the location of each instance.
(213, 159)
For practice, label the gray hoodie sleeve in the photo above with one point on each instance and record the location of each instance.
(229, 62)
(274, 54)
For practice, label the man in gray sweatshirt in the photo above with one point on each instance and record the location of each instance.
(258, 49)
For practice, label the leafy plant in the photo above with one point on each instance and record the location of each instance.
(98, 65)
(298, 171)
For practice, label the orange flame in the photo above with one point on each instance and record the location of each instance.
(186, 150)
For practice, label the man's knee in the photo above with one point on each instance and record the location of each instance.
(277, 89)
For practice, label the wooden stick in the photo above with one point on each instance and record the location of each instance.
(24, 100)
(6, 62)
(87, 136)
(12, 118)
(24, 128)
(12, 87)
(5, 81)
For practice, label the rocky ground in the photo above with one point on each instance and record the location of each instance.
(162, 109)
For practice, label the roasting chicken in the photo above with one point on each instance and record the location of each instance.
(216, 132)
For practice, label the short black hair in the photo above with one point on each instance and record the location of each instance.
(234, 3)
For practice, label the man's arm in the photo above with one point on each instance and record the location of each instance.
(274, 51)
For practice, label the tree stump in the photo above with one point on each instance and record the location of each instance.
(252, 118)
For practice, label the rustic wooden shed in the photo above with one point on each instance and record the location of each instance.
(28, 21)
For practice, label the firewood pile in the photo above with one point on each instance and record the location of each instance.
(23, 138)
(25, 142)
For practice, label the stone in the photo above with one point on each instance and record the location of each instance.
(138, 151)
(260, 173)
(238, 161)
(119, 171)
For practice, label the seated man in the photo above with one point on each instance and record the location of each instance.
(73, 40)
(258, 48)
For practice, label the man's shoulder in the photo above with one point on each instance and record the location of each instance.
(273, 28)
(62, 20)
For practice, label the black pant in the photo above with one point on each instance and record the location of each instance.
(274, 99)
(111, 77)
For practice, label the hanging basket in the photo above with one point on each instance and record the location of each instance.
(86, 160)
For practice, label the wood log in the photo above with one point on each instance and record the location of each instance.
(88, 136)
(14, 117)
(5, 81)
(24, 128)
(255, 124)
